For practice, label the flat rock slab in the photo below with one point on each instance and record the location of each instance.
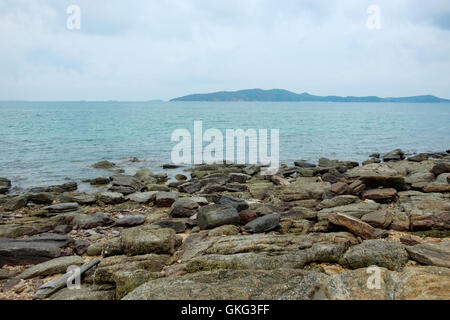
(356, 226)
(130, 221)
(142, 197)
(380, 194)
(216, 215)
(166, 199)
(183, 207)
(62, 207)
(23, 253)
(264, 223)
(435, 254)
(147, 239)
(54, 266)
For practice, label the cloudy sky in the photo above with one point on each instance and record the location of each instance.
(161, 49)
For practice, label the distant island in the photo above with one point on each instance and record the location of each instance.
(279, 95)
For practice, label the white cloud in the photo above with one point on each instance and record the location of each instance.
(137, 50)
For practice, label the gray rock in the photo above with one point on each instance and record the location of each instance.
(84, 221)
(236, 203)
(85, 293)
(5, 184)
(263, 224)
(41, 198)
(239, 177)
(80, 198)
(23, 253)
(51, 267)
(337, 201)
(62, 208)
(434, 254)
(15, 203)
(142, 197)
(190, 187)
(304, 164)
(378, 219)
(111, 197)
(130, 221)
(148, 239)
(394, 155)
(183, 207)
(126, 184)
(226, 230)
(100, 181)
(80, 246)
(65, 187)
(216, 215)
(382, 253)
(441, 167)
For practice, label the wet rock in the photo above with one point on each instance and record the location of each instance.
(130, 221)
(166, 199)
(147, 239)
(100, 181)
(418, 157)
(145, 176)
(41, 198)
(5, 184)
(236, 203)
(103, 165)
(394, 155)
(378, 219)
(66, 187)
(142, 197)
(304, 164)
(215, 215)
(226, 230)
(434, 254)
(178, 226)
(126, 184)
(356, 226)
(263, 224)
(441, 167)
(183, 207)
(15, 203)
(181, 177)
(387, 194)
(337, 201)
(111, 197)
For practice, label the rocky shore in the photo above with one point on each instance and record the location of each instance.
(313, 231)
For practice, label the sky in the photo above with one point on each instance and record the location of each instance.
(162, 49)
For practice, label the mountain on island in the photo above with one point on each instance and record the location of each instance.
(276, 95)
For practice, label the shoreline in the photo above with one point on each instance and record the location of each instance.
(216, 230)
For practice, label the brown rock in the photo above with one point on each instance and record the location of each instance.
(356, 226)
(339, 188)
(380, 194)
(378, 219)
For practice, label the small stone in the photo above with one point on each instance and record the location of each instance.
(130, 221)
(264, 223)
(166, 199)
(80, 246)
(104, 165)
(441, 167)
(99, 181)
(227, 230)
(183, 207)
(178, 226)
(339, 188)
(380, 194)
(111, 197)
(215, 215)
(378, 219)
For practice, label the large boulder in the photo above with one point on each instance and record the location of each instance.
(216, 215)
(148, 239)
(382, 253)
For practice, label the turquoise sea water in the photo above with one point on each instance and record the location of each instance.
(43, 143)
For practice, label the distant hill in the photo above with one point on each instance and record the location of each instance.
(285, 95)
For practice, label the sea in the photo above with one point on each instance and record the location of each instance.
(47, 143)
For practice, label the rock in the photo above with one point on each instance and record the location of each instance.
(181, 177)
(260, 189)
(202, 201)
(356, 226)
(100, 181)
(178, 226)
(247, 215)
(85, 221)
(62, 229)
(215, 215)
(62, 208)
(419, 177)
(104, 165)
(14, 252)
(157, 187)
(263, 224)
(251, 170)
(130, 221)
(236, 203)
(226, 230)
(166, 199)
(394, 155)
(111, 197)
(239, 177)
(303, 164)
(142, 197)
(80, 246)
(61, 188)
(41, 198)
(125, 184)
(441, 167)
(84, 293)
(378, 219)
(183, 207)
(5, 184)
(302, 189)
(356, 187)
(15, 203)
(190, 187)
(356, 210)
(80, 198)
(339, 188)
(51, 267)
(382, 253)
(337, 201)
(433, 254)
(387, 194)
(213, 188)
(418, 157)
(147, 239)
(371, 160)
